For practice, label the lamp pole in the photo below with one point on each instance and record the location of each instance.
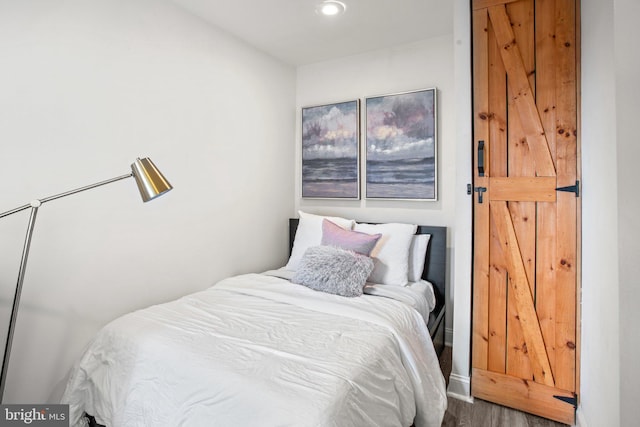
(16, 299)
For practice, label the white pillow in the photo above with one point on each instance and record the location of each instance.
(391, 253)
(417, 253)
(309, 233)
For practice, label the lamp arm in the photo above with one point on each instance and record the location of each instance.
(85, 188)
(16, 210)
(66, 193)
(23, 264)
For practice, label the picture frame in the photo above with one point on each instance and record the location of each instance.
(331, 151)
(401, 146)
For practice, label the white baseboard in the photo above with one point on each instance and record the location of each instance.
(460, 388)
(448, 337)
(580, 421)
(457, 396)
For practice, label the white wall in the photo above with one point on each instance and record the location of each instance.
(600, 373)
(459, 381)
(627, 60)
(86, 88)
(421, 65)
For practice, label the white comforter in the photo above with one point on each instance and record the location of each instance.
(256, 351)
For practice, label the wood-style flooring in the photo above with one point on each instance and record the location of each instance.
(485, 414)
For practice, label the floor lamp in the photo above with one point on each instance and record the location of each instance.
(151, 184)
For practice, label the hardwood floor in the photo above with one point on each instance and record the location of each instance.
(482, 413)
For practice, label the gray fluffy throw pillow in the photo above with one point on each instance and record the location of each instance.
(333, 270)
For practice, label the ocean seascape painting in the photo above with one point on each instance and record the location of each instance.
(401, 146)
(330, 151)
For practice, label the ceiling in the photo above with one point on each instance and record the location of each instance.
(292, 31)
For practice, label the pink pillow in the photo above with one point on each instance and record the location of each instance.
(356, 241)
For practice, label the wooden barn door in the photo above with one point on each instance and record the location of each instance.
(526, 205)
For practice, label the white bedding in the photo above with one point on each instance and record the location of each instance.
(256, 350)
(419, 295)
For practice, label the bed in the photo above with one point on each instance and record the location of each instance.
(260, 350)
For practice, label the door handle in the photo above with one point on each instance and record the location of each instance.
(480, 190)
(480, 158)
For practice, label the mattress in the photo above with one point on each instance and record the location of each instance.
(257, 350)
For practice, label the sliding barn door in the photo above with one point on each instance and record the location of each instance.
(526, 205)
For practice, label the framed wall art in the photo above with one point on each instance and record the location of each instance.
(401, 146)
(330, 151)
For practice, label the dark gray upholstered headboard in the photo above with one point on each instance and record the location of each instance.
(435, 263)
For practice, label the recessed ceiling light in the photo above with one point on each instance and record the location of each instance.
(330, 8)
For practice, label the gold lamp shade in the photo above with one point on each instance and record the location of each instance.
(150, 180)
